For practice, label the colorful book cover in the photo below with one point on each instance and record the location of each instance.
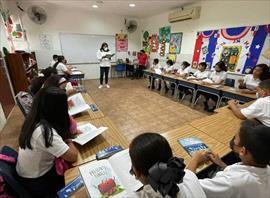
(192, 144)
(101, 180)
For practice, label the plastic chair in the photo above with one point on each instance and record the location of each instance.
(8, 172)
(229, 82)
(120, 68)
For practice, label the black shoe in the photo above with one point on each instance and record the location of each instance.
(206, 107)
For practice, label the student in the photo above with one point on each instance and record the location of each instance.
(248, 179)
(169, 66)
(104, 56)
(45, 137)
(260, 109)
(54, 60)
(180, 71)
(37, 83)
(142, 58)
(217, 77)
(155, 65)
(251, 81)
(61, 68)
(161, 174)
(201, 73)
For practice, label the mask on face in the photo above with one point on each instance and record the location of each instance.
(232, 147)
(105, 48)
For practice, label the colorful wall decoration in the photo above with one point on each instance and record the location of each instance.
(121, 42)
(175, 43)
(154, 43)
(164, 40)
(240, 47)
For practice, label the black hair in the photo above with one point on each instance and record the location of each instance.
(185, 64)
(60, 60)
(222, 66)
(265, 71)
(48, 72)
(55, 56)
(265, 84)
(149, 150)
(102, 46)
(52, 81)
(142, 51)
(169, 62)
(203, 64)
(50, 111)
(255, 137)
(156, 61)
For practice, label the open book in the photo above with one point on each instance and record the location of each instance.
(77, 104)
(109, 55)
(192, 144)
(89, 132)
(109, 177)
(158, 71)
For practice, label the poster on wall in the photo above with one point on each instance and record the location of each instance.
(121, 42)
(46, 41)
(175, 43)
(154, 43)
(240, 48)
(164, 40)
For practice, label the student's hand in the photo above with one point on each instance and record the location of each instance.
(232, 102)
(205, 83)
(200, 157)
(241, 81)
(70, 103)
(214, 157)
(79, 132)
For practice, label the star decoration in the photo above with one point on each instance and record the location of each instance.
(258, 46)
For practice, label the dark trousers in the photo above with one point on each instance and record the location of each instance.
(45, 186)
(104, 70)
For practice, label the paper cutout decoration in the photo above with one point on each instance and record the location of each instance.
(230, 55)
(172, 57)
(154, 43)
(164, 37)
(175, 43)
(46, 41)
(121, 42)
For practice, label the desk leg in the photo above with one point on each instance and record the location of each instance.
(175, 91)
(194, 98)
(151, 82)
(162, 90)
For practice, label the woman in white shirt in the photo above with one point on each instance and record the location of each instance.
(248, 179)
(217, 77)
(45, 137)
(104, 56)
(61, 67)
(161, 174)
(251, 81)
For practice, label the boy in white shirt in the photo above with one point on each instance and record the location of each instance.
(248, 179)
(201, 73)
(54, 60)
(259, 110)
(155, 66)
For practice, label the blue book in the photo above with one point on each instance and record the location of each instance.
(72, 187)
(192, 144)
(93, 107)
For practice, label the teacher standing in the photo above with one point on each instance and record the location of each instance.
(104, 56)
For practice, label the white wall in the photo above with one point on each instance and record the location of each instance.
(70, 20)
(214, 15)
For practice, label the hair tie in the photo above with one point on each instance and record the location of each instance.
(163, 177)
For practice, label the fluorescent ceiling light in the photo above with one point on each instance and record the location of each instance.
(94, 6)
(132, 5)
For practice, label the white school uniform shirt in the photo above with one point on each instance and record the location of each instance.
(35, 162)
(260, 110)
(174, 67)
(190, 187)
(104, 62)
(217, 77)
(157, 66)
(250, 82)
(189, 69)
(199, 74)
(238, 181)
(61, 69)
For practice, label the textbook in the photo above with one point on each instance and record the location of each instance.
(77, 104)
(71, 188)
(192, 144)
(89, 132)
(109, 55)
(109, 177)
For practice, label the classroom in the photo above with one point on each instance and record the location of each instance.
(135, 98)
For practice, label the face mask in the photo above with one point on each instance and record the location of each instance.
(257, 95)
(105, 48)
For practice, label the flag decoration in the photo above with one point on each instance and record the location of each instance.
(240, 48)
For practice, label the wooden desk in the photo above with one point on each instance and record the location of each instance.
(222, 126)
(189, 131)
(232, 93)
(226, 109)
(89, 114)
(109, 138)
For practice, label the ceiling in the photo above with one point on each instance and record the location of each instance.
(143, 8)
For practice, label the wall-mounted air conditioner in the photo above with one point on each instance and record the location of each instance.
(186, 14)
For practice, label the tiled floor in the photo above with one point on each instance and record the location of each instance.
(131, 106)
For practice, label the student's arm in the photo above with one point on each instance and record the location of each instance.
(247, 91)
(71, 154)
(214, 157)
(217, 83)
(198, 158)
(235, 109)
(241, 84)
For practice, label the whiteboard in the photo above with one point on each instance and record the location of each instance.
(82, 48)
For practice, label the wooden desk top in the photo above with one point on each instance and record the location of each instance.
(237, 92)
(221, 126)
(188, 131)
(89, 114)
(226, 109)
(109, 138)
